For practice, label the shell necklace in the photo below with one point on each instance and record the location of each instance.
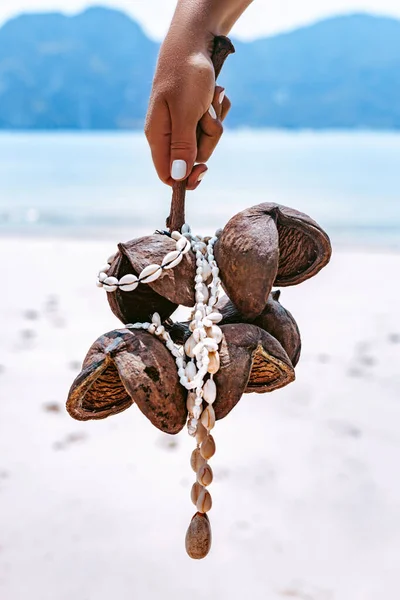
(196, 363)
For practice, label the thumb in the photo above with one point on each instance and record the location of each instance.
(183, 146)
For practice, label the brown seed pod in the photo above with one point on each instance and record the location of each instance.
(123, 367)
(247, 254)
(275, 319)
(251, 361)
(268, 245)
(198, 536)
(174, 287)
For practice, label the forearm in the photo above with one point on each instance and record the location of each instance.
(201, 20)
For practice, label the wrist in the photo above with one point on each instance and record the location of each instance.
(195, 25)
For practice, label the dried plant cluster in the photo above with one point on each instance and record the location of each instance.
(260, 248)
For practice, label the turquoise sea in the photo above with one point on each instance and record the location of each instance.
(97, 184)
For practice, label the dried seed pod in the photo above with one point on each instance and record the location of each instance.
(207, 448)
(268, 245)
(275, 319)
(247, 254)
(251, 361)
(172, 287)
(123, 367)
(198, 536)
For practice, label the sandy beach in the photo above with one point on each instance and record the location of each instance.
(306, 497)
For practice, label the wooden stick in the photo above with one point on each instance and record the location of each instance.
(222, 48)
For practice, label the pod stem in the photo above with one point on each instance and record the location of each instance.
(223, 47)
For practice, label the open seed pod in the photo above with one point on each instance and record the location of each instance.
(123, 367)
(268, 245)
(251, 361)
(275, 319)
(174, 287)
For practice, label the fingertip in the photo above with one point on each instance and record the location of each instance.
(179, 169)
(196, 176)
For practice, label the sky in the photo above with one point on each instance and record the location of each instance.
(262, 18)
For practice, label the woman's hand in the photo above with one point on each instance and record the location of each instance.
(186, 110)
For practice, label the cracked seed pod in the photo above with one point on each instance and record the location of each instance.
(174, 287)
(275, 319)
(268, 245)
(251, 361)
(123, 367)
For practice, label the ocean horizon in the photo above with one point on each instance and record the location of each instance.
(101, 184)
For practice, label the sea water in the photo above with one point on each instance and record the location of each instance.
(90, 184)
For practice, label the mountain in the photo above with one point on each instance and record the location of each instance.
(94, 71)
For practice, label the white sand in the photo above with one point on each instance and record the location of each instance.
(306, 492)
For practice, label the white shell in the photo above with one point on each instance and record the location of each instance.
(205, 291)
(200, 246)
(210, 391)
(197, 410)
(210, 344)
(187, 248)
(105, 268)
(128, 279)
(111, 281)
(110, 288)
(156, 319)
(215, 333)
(185, 228)
(189, 346)
(111, 258)
(176, 235)
(99, 284)
(201, 433)
(215, 317)
(204, 501)
(208, 417)
(150, 273)
(191, 371)
(129, 288)
(102, 277)
(190, 404)
(206, 271)
(172, 259)
(181, 244)
(198, 348)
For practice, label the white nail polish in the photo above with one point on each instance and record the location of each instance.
(201, 175)
(221, 97)
(178, 170)
(212, 112)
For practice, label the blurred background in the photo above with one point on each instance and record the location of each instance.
(306, 501)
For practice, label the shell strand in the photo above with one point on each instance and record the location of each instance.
(198, 361)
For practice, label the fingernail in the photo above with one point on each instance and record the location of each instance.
(212, 112)
(201, 175)
(178, 169)
(222, 96)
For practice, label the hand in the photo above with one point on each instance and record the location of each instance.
(186, 110)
